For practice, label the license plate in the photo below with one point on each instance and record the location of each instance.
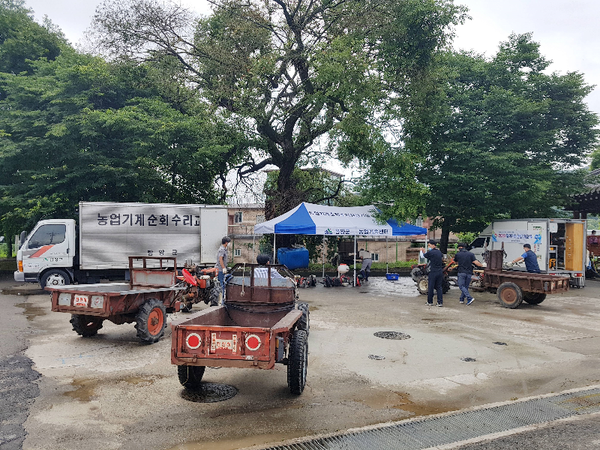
(81, 301)
(227, 345)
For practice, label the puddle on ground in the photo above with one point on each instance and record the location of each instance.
(85, 388)
(380, 286)
(31, 311)
(401, 400)
(209, 393)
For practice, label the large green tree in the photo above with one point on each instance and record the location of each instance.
(292, 72)
(500, 138)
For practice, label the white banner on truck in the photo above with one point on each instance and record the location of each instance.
(517, 236)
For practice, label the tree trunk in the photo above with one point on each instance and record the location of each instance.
(445, 235)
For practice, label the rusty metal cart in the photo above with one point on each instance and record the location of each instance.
(152, 292)
(261, 323)
(514, 287)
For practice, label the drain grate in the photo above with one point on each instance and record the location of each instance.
(417, 434)
(210, 393)
(396, 335)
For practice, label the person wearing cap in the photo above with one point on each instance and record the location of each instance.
(465, 260)
(530, 259)
(221, 264)
(436, 275)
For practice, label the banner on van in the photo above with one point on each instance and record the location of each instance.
(517, 237)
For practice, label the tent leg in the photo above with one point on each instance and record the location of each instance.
(354, 279)
(274, 253)
(323, 256)
(387, 265)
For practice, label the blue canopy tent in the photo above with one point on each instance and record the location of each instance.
(308, 218)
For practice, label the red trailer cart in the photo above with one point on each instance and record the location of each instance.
(261, 323)
(152, 292)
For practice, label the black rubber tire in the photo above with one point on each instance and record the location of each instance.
(416, 273)
(510, 295)
(534, 298)
(151, 321)
(297, 362)
(304, 321)
(190, 377)
(215, 295)
(446, 285)
(423, 285)
(86, 326)
(55, 278)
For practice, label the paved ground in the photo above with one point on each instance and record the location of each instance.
(113, 392)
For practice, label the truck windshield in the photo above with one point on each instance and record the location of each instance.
(48, 235)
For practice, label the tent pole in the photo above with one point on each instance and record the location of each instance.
(274, 246)
(387, 266)
(323, 255)
(253, 248)
(354, 279)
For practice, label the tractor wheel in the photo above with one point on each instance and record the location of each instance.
(190, 376)
(304, 321)
(416, 273)
(423, 285)
(86, 326)
(151, 321)
(297, 362)
(215, 295)
(55, 278)
(446, 285)
(510, 295)
(534, 298)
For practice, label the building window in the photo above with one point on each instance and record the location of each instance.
(375, 256)
(238, 217)
(260, 218)
(237, 252)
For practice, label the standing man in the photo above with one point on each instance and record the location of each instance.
(436, 274)
(222, 262)
(465, 260)
(530, 259)
(365, 268)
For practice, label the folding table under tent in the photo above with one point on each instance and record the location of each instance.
(320, 220)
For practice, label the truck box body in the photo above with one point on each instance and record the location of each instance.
(108, 233)
(560, 244)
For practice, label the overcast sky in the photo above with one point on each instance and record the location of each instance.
(566, 29)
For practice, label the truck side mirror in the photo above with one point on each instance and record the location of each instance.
(22, 237)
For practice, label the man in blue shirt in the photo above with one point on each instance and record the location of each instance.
(436, 275)
(465, 260)
(530, 259)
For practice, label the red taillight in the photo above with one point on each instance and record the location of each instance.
(193, 340)
(253, 342)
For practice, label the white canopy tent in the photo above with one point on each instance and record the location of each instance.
(308, 218)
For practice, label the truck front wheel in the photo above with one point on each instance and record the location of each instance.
(55, 278)
(86, 326)
(510, 295)
(190, 376)
(151, 321)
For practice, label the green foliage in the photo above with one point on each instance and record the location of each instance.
(498, 138)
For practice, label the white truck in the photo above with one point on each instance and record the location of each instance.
(560, 244)
(58, 252)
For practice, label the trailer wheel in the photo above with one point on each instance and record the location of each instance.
(55, 277)
(190, 376)
(151, 321)
(297, 362)
(510, 295)
(304, 321)
(423, 285)
(86, 326)
(534, 298)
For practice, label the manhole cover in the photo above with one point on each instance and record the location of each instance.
(396, 335)
(376, 357)
(209, 393)
(468, 359)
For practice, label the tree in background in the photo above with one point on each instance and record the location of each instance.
(500, 139)
(78, 128)
(291, 72)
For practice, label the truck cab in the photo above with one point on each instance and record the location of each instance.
(46, 254)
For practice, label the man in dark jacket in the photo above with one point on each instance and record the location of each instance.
(436, 274)
(465, 260)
